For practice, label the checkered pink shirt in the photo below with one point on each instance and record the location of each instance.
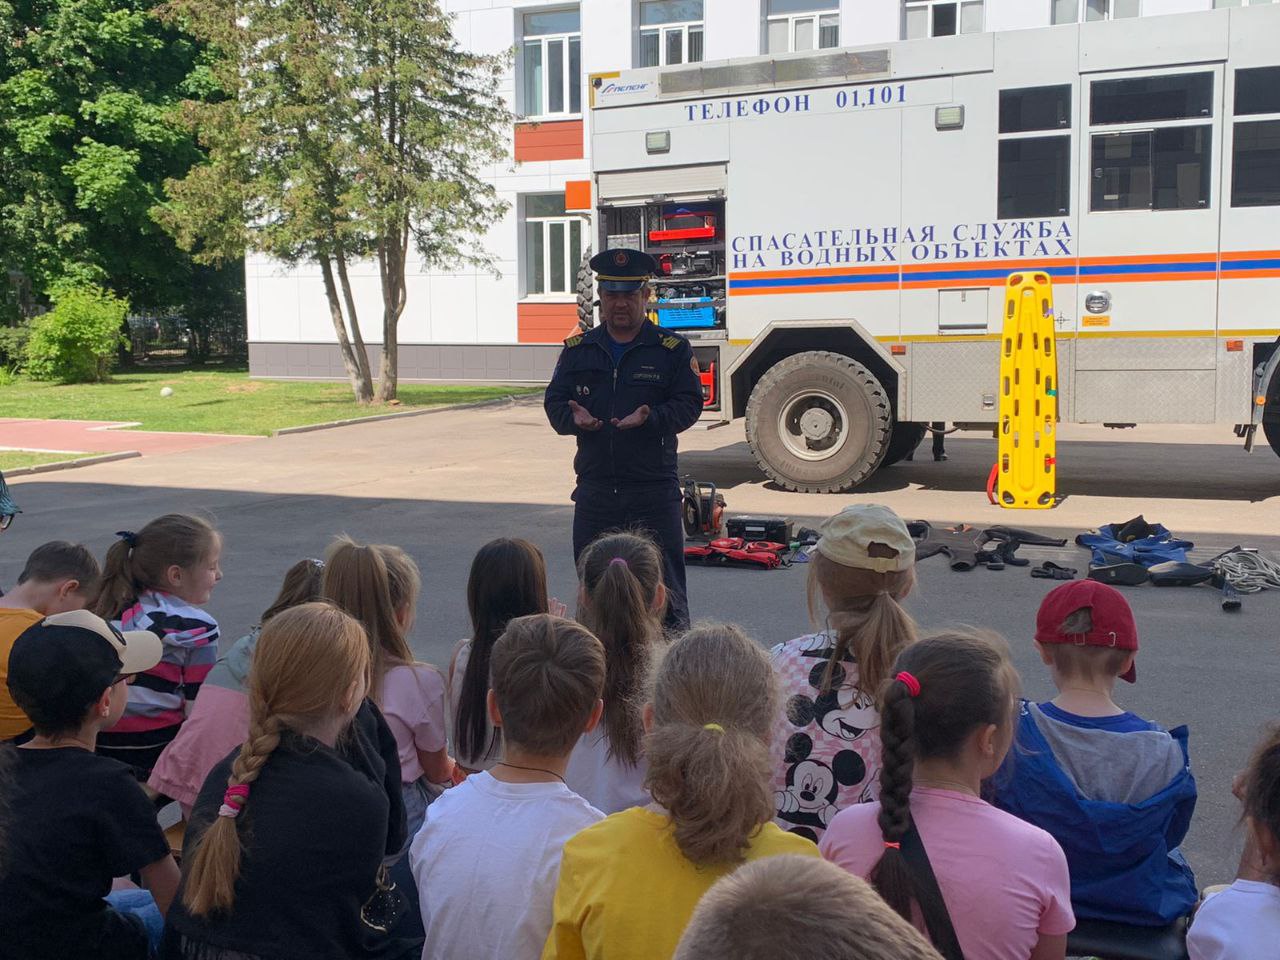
(826, 747)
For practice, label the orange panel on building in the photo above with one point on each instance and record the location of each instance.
(577, 195)
(545, 322)
(551, 140)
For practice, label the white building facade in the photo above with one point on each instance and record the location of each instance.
(473, 326)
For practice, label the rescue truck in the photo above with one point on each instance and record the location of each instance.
(834, 229)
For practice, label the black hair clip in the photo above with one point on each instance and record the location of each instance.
(129, 537)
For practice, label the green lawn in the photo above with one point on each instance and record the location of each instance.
(217, 401)
(13, 459)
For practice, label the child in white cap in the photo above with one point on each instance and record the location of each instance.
(826, 743)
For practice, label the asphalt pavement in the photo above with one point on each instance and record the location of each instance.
(441, 485)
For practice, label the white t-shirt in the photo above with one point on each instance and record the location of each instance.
(486, 863)
(1240, 923)
(607, 783)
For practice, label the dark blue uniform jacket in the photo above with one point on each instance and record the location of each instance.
(656, 369)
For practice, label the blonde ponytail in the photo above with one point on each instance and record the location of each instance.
(714, 699)
(864, 616)
(307, 660)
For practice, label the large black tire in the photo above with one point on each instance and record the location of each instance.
(1271, 423)
(905, 438)
(586, 290)
(818, 422)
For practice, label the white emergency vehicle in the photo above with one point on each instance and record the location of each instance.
(834, 229)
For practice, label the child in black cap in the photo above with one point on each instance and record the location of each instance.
(78, 820)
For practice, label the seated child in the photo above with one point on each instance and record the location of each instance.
(947, 721)
(286, 837)
(76, 819)
(1243, 921)
(1114, 790)
(622, 600)
(508, 579)
(220, 716)
(58, 576)
(797, 907)
(629, 884)
(160, 579)
(487, 858)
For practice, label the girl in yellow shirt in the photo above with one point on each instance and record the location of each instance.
(629, 883)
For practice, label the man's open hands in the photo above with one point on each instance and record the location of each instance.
(582, 418)
(634, 419)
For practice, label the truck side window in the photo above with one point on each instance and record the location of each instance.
(1034, 172)
(1167, 164)
(1255, 154)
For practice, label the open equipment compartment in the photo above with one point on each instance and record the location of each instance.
(687, 240)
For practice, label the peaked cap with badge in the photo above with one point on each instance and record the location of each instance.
(622, 270)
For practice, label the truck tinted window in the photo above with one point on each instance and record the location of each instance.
(1035, 108)
(1164, 169)
(1255, 164)
(1144, 99)
(1257, 91)
(1034, 178)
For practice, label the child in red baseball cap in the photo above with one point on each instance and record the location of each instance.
(1115, 790)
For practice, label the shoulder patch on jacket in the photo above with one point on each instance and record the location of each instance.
(574, 340)
(671, 342)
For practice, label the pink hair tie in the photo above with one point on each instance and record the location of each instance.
(616, 561)
(909, 681)
(233, 800)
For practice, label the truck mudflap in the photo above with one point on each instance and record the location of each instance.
(1266, 401)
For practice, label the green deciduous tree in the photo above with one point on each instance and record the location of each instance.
(90, 129)
(356, 129)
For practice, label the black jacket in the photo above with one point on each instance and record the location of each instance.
(656, 369)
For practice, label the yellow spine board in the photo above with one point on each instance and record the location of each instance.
(1028, 449)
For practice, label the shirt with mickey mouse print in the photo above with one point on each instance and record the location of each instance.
(826, 746)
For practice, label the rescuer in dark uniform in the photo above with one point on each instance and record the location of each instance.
(625, 389)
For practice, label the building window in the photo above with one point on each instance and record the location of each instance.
(1033, 177)
(1162, 168)
(670, 32)
(551, 64)
(1075, 11)
(940, 18)
(1255, 148)
(797, 25)
(552, 245)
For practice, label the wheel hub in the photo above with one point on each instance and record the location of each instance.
(816, 424)
(813, 425)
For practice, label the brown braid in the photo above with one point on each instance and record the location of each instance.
(966, 682)
(891, 876)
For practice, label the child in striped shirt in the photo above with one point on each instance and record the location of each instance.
(158, 579)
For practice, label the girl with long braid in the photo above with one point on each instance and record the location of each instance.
(286, 836)
(947, 719)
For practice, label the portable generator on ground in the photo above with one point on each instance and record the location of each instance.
(702, 509)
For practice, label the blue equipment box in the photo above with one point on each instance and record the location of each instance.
(687, 312)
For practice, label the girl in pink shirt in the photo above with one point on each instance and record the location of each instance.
(378, 584)
(946, 724)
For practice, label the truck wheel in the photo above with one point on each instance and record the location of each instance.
(586, 290)
(1271, 425)
(905, 438)
(818, 422)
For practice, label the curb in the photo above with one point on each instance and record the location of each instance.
(510, 399)
(72, 464)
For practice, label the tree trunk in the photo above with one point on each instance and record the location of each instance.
(357, 338)
(392, 254)
(357, 373)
